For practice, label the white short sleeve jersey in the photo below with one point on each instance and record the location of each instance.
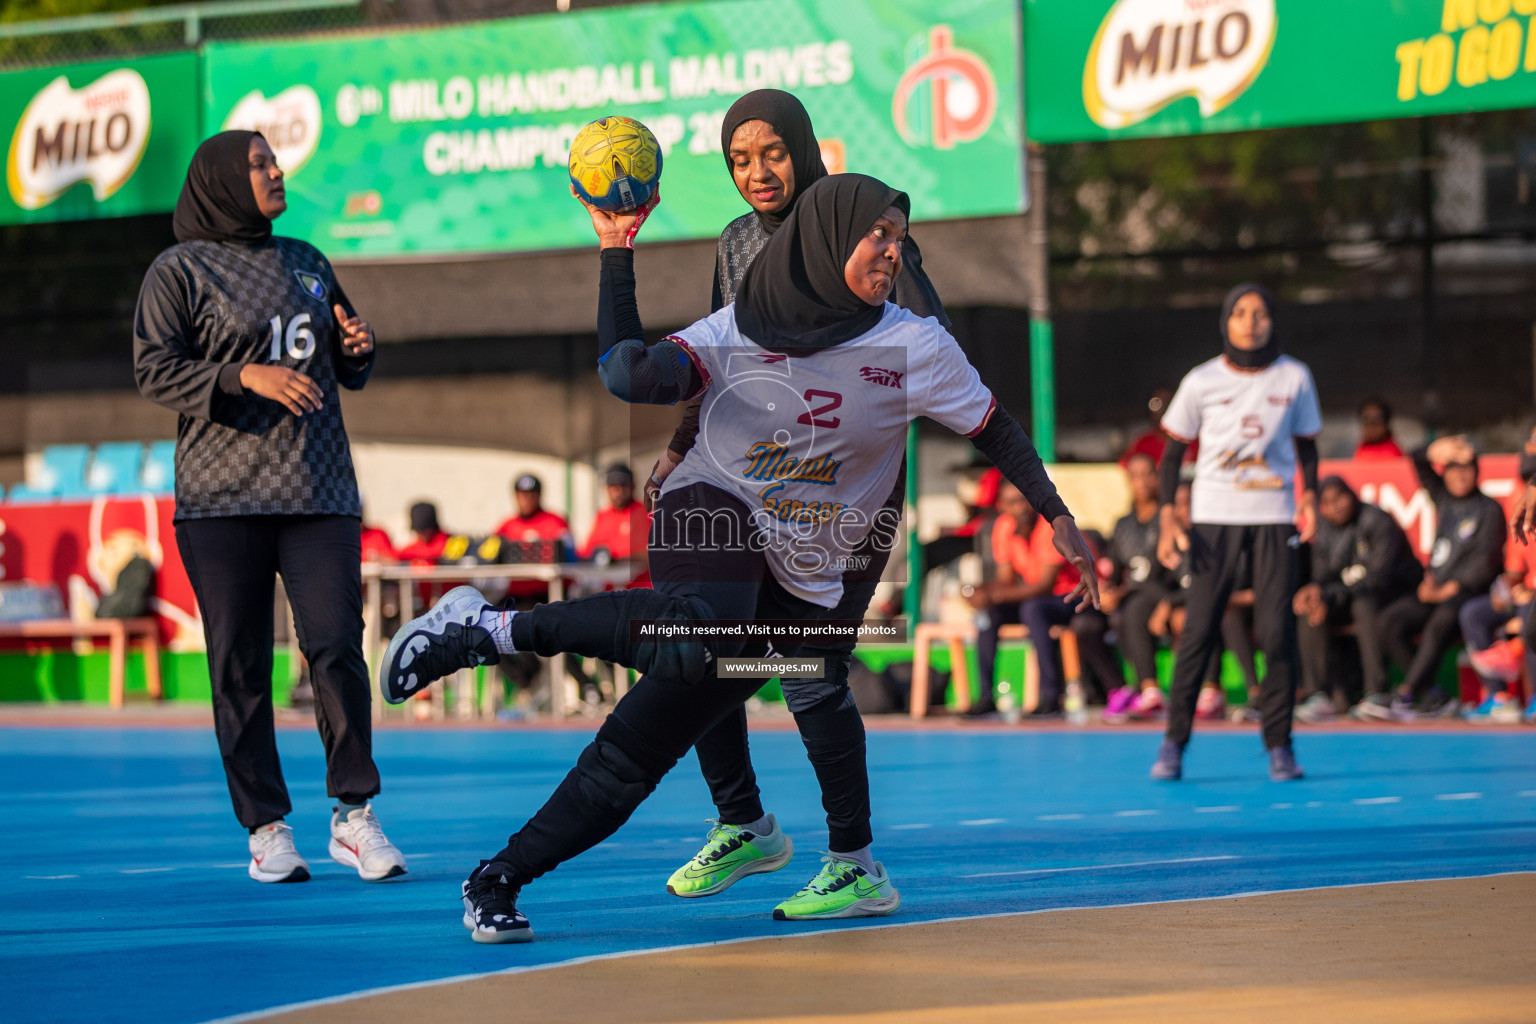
(1246, 424)
(813, 443)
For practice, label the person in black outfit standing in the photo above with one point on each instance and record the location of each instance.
(247, 336)
(1361, 563)
(1467, 557)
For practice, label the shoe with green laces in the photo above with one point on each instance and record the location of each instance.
(841, 889)
(730, 854)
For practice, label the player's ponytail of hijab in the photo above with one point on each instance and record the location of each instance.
(786, 115)
(794, 296)
(217, 203)
(1250, 358)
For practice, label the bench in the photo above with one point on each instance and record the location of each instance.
(117, 633)
(956, 637)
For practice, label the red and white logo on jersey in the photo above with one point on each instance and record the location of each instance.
(877, 375)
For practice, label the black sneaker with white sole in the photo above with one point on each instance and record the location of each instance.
(437, 644)
(490, 906)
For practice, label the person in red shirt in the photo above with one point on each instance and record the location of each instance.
(623, 527)
(1376, 441)
(377, 547)
(427, 538)
(532, 524)
(1033, 580)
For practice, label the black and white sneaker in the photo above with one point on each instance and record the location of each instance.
(490, 907)
(437, 644)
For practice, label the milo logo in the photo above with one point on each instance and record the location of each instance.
(290, 121)
(96, 133)
(1149, 53)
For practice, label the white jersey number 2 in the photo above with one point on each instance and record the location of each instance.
(299, 339)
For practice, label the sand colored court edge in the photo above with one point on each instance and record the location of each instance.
(1435, 951)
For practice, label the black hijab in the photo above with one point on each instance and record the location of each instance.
(787, 116)
(217, 203)
(1257, 358)
(794, 296)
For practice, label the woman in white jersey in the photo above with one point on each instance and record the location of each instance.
(809, 380)
(1254, 411)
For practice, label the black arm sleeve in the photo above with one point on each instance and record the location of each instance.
(618, 315)
(1527, 467)
(1168, 471)
(913, 289)
(687, 430)
(1004, 442)
(165, 365)
(1428, 478)
(1306, 455)
(352, 372)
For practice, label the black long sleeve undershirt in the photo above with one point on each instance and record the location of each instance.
(1004, 442)
(618, 314)
(1306, 457)
(1168, 470)
(659, 375)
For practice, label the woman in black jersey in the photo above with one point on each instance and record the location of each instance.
(770, 148)
(247, 336)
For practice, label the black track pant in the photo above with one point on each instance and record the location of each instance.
(1322, 653)
(1136, 640)
(233, 564)
(1438, 626)
(1214, 553)
(679, 698)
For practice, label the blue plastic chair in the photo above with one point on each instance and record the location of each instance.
(159, 475)
(116, 468)
(62, 476)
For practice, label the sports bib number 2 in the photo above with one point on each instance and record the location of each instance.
(298, 338)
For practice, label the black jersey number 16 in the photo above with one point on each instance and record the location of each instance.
(299, 339)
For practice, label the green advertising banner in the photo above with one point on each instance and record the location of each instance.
(1099, 69)
(455, 140)
(109, 139)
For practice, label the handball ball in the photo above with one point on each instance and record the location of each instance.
(615, 164)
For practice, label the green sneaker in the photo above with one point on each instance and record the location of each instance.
(730, 854)
(841, 889)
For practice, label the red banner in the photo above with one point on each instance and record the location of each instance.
(78, 546)
(1394, 486)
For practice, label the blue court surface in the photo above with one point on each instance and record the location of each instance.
(125, 896)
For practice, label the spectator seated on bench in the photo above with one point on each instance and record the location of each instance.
(1360, 562)
(1467, 557)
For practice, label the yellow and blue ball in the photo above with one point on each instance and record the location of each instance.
(615, 164)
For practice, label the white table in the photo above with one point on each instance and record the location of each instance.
(579, 577)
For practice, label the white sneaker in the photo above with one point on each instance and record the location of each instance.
(358, 842)
(273, 858)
